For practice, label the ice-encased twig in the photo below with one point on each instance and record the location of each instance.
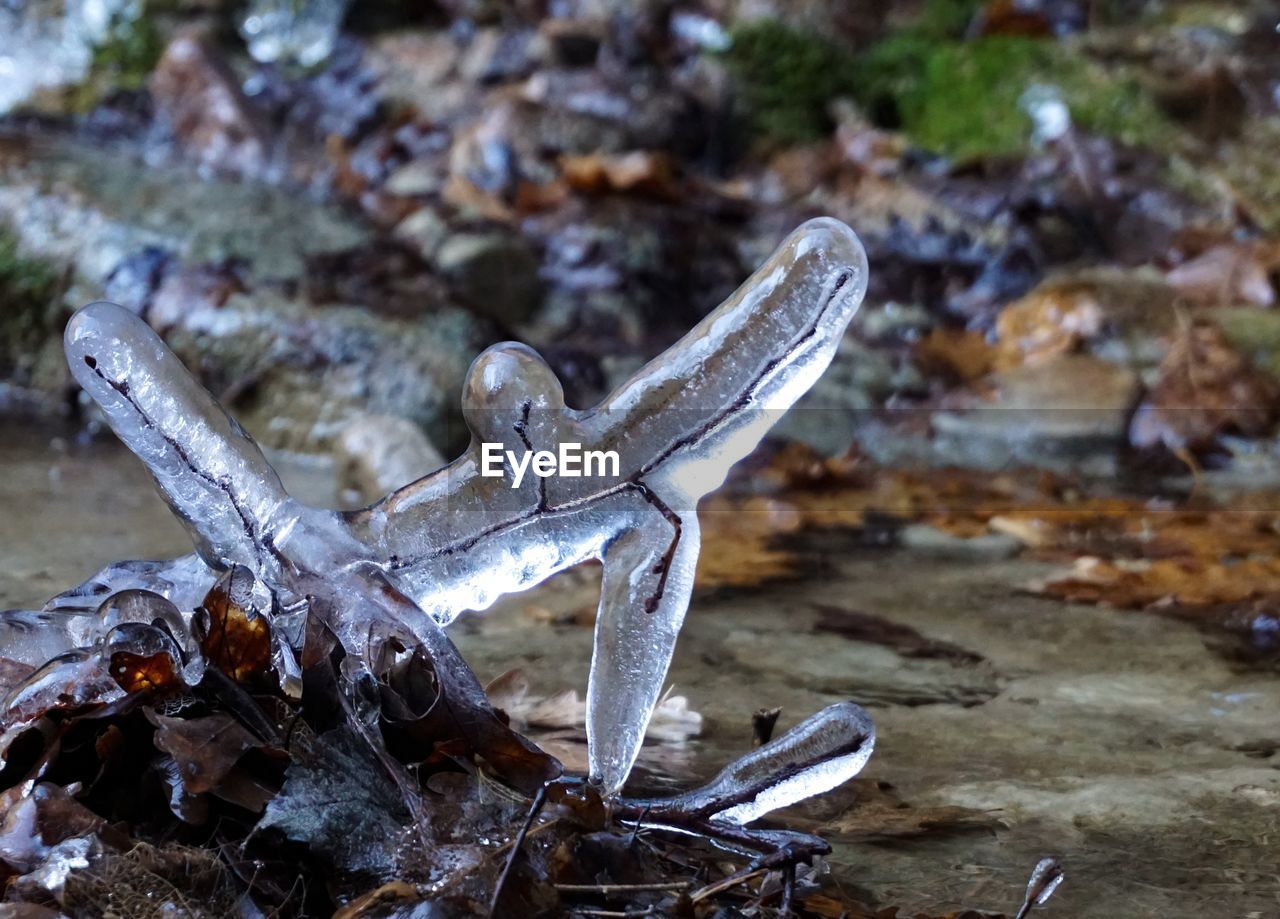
(820, 753)
(457, 540)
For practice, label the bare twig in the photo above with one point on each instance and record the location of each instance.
(733, 880)
(609, 889)
(539, 801)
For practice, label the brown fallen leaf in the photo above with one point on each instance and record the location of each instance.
(206, 749)
(1234, 272)
(643, 172)
(1206, 388)
(1136, 584)
(744, 536)
(1053, 319)
(962, 354)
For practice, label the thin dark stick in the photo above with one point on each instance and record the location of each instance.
(539, 801)
(732, 880)
(635, 833)
(607, 889)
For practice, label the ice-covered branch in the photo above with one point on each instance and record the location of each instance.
(459, 538)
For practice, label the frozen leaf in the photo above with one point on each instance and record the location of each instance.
(205, 749)
(35, 819)
(131, 662)
(237, 632)
(143, 659)
(339, 803)
(34, 636)
(392, 575)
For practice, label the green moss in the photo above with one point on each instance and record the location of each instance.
(787, 78)
(123, 61)
(130, 52)
(953, 96)
(1251, 171)
(964, 98)
(30, 306)
(941, 19)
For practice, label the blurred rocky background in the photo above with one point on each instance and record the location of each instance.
(1072, 208)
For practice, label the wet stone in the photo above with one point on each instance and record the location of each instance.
(1071, 405)
(495, 272)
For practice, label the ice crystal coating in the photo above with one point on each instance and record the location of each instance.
(456, 539)
(822, 752)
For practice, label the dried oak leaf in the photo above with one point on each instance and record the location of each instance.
(1206, 388)
(237, 638)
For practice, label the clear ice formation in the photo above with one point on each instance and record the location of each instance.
(456, 540)
(817, 755)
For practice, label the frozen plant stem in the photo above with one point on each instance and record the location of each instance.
(457, 540)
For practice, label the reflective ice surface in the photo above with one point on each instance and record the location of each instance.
(457, 540)
(822, 752)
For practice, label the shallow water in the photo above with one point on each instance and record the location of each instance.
(1116, 741)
